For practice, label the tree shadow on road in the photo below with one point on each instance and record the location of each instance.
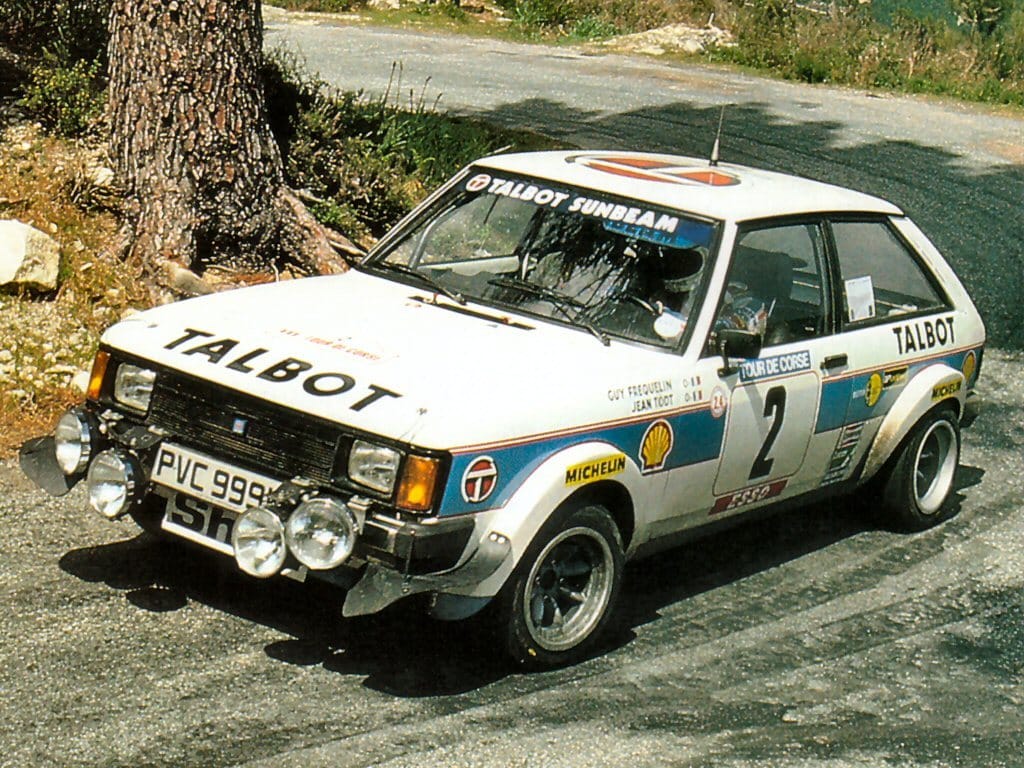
(971, 213)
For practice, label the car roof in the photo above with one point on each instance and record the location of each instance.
(724, 191)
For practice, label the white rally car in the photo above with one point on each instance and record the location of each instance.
(558, 362)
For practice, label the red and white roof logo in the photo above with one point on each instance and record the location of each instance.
(656, 169)
(479, 479)
(478, 182)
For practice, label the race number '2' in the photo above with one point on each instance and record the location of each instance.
(774, 409)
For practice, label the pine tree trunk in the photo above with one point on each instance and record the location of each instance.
(191, 143)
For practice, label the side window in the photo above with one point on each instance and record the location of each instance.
(880, 276)
(777, 284)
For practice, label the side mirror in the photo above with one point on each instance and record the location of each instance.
(734, 343)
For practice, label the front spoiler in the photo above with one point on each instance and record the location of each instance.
(381, 586)
(39, 464)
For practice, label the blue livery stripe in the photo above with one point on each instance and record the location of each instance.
(844, 401)
(697, 438)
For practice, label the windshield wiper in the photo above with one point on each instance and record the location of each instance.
(423, 277)
(573, 310)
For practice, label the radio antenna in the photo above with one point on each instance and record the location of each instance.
(718, 139)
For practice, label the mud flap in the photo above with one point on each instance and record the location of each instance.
(39, 464)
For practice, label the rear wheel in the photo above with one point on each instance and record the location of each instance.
(561, 597)
(916, 491)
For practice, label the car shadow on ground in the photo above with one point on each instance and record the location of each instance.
(403, 652)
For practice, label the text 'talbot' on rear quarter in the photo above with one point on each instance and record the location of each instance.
(558, 362)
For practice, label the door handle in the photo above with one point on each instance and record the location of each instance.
(834, 361)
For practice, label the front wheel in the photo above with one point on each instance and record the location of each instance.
(561, 596)
(920, 480)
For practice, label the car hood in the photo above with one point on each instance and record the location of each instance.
(382, 357)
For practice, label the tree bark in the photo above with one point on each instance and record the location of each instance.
(191, 143)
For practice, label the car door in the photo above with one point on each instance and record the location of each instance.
(893, 320)
(778, 285)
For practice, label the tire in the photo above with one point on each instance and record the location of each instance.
(916, 491)
(561, 597)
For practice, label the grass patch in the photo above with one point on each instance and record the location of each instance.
(46, 339)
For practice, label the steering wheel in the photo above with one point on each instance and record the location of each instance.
(631, 298)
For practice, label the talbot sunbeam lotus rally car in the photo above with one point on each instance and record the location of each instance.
(558, 362)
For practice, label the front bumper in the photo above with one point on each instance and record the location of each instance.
(393, 557)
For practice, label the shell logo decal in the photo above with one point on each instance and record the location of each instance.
(969, 366)
(873, 390)
(666, 171)
(656, 445)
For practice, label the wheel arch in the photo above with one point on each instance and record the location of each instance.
(614, 497)
(936, 387)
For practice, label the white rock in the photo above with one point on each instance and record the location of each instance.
(62, 370)
(80, 381)
(28, 257)
(101, 176)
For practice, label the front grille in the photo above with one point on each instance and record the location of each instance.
(275, 440)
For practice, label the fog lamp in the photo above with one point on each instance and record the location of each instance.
(113, 478)
(72, 442)
(321, 533)
(258, 540)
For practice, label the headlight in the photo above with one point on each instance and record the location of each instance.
(374, 466)
(321, 533)
(258, 539)
(112, 480)
(72, 442)
(133, 386)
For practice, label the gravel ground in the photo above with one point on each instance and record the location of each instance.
(807, 639)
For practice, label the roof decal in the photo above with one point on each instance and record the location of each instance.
(655, 169)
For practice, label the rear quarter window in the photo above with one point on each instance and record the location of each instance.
(880, 276)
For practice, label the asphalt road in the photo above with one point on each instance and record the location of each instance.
(807, 639)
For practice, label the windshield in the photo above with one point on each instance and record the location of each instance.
(613, 266)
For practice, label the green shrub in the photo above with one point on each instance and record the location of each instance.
(368, 161)
(69, 31)
(1010, 48)
(66, 99)
(593, 28)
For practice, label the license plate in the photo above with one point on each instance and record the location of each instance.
(200, 522)
(208, 479)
